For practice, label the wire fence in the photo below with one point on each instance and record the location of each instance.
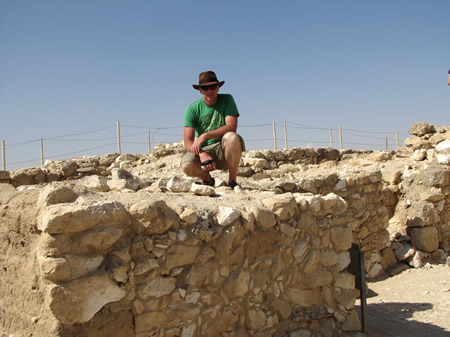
(141, 139)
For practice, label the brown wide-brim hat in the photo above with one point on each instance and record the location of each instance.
(207, 78)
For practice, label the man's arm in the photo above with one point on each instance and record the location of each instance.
(230, 125)
(189, 136)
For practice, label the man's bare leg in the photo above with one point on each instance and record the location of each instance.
(194, 170)
(233, 152)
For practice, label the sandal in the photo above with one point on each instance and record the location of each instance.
(232, 184)
(210, 182)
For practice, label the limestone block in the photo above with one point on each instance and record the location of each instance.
(157, 287)
(419, 155)
(237, 285)
(229, 239)
(264, 217)
(78, 217)
(122, 184)
(227, 215)
(4, 175)
(149, 321)
(201, 275)
(21, 177)
(346, 297)
(328, 258)
(145, 265)
(376, 270)
(391, 175)
(189, 216)
(300, 251)
(178, 184)
(188, 330)
(300, 333)
(125, 157)
(79, 300)
(343, 260)
(434, 176)
(302, 297)
(203, 190)
(404, 252)
(421, 213)
(341, 237)
(334, 204)
(120, 274)
(54, 269)
(317, 278)
(100, 239)
(95, 183)
(443, 158)
(345, 280)
(68, 168)
(388, 257)
(255, 319)
(421, 129)
(57, 194)
(155, 216)
(380, 156)
(341, 184)
(286, 186)
(432, 195)
(255, 163)
(284, 206)
(352, 323)
(282, 308)
(180, 255)
(425, 239)
(308, 185)
(288, 230)
(81, 265)
(54, 245)
(443, 146)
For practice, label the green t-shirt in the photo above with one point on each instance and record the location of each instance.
(205, 118)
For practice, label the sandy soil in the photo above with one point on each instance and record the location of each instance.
(415, 303)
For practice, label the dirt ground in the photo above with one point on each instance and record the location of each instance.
(415, 303)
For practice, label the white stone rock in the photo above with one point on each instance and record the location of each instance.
(158, 287)
(443, 158)
(178, 184)
(79, 300)
(227, 215)
(203, 190)
(442, 146)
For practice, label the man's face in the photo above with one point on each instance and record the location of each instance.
(209, 94)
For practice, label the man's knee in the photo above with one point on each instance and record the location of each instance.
(233, 140)
(188, 167)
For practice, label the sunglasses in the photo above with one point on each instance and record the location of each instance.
(206, 87)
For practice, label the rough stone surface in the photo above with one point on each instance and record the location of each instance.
(129, 246)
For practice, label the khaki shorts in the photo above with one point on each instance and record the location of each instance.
(216, 151)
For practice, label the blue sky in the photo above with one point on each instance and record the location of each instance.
(69, 70)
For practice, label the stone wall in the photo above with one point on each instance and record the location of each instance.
(273, 269)
(122, 253)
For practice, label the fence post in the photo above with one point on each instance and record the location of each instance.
(274, 136)
(331, 137)
(149, 147)
(285, 136)
(396, 137)
(42, 152)
(340, 137)
(387, 147)
(118, 136)
(3, 156)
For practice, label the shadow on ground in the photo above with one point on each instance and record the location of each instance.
(392, 319)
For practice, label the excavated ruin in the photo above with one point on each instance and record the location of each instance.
(126, 245)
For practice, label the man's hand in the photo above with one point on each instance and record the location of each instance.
(195, 147)
(210, 165)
